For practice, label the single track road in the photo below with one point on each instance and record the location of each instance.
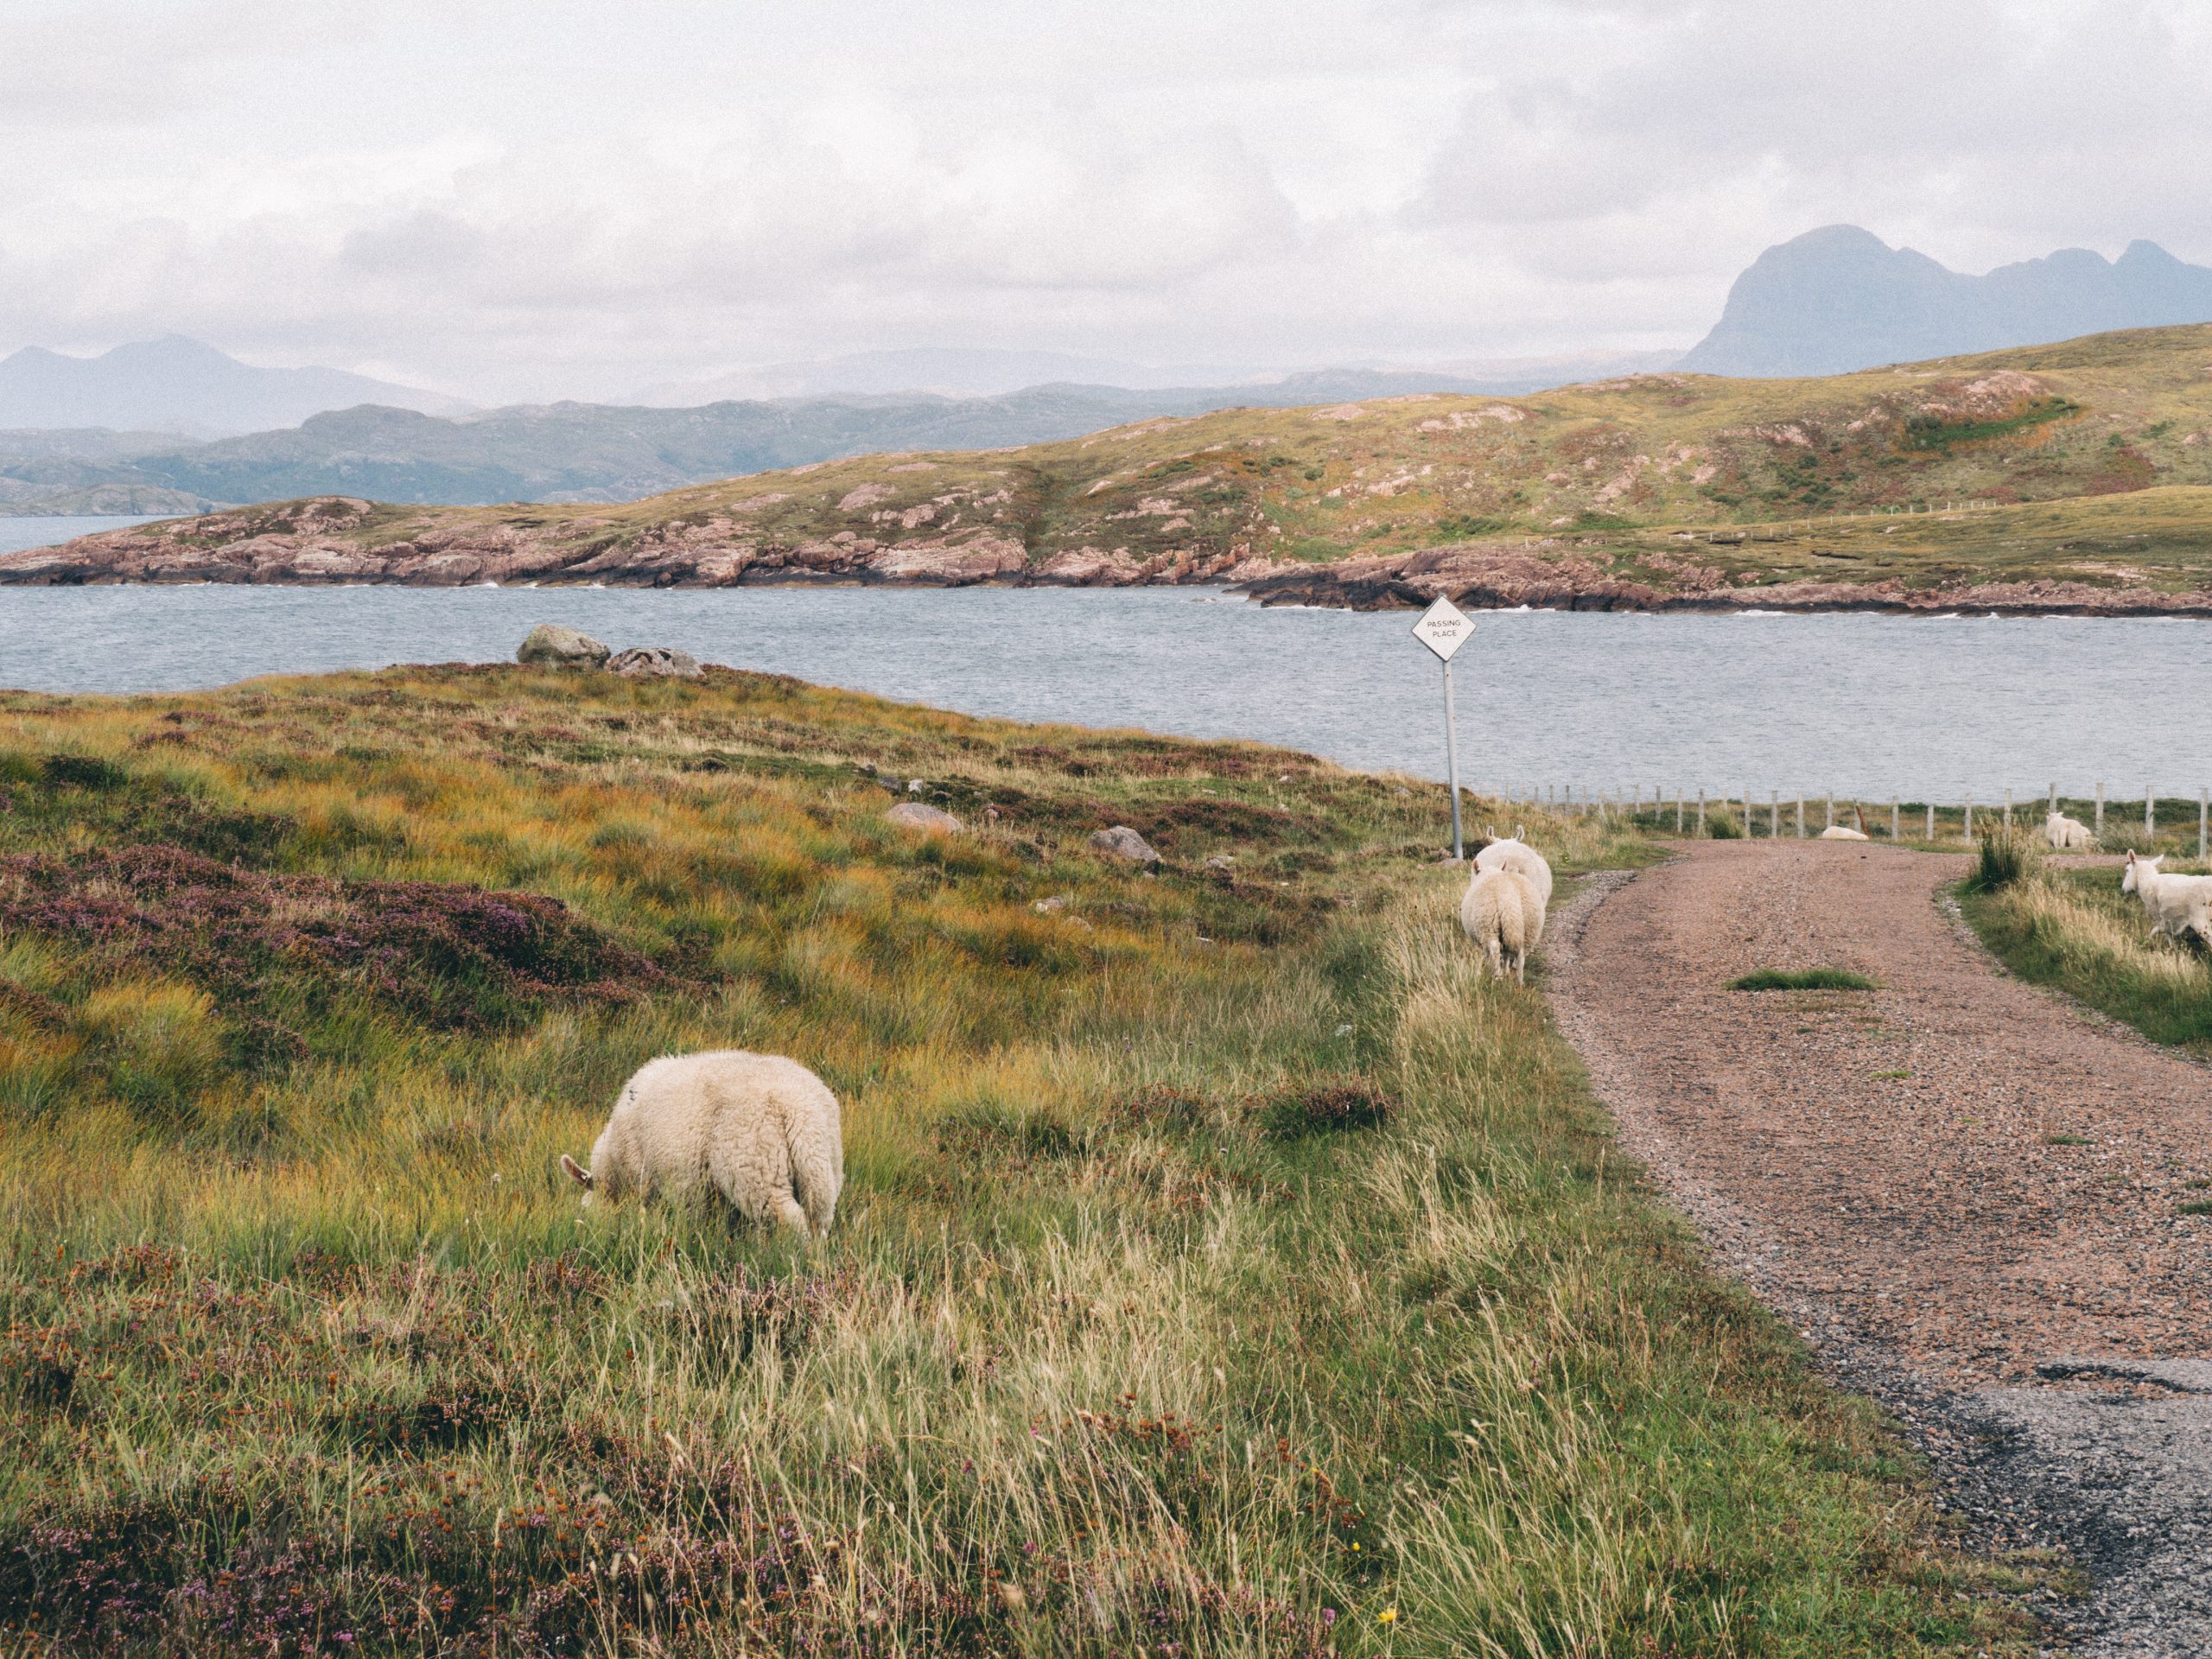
(1968, 1194)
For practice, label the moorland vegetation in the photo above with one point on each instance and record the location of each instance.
(1225, 1266)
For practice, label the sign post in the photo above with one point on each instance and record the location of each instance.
(1444, 628)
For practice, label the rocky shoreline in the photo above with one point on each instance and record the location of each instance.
(316, 543)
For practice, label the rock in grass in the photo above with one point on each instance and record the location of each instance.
(551, 645)
(1123, 845)
(930, 820)
(643, 662)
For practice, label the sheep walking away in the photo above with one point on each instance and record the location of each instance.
(761, 1129)
(2179, 906)
(1503, 915)
(1516, 855)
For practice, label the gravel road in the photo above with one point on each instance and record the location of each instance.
(1965, 1193)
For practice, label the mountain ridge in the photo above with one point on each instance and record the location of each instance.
(1840, 299)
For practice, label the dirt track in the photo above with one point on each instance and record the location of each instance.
(1963, 1190)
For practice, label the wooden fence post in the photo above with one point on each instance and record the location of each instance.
(2203, 797)
(1678, 811)
(1967, 833)
(1801, 817)
(1931, 821)
(1896, 823)
(1774, 815)
(1831, 822)
(1700, 808)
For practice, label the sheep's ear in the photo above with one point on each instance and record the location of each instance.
(577, 1173)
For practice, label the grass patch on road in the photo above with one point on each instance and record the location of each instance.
(2074, 930)
(1802, 979)
(1226, 1267)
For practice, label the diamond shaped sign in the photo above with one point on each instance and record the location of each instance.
(1444, 628)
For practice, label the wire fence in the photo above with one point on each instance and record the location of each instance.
(2108, 822)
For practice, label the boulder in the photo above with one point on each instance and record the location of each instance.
(551, 645)
(1123, 844)
(930, 820)
(641, 662)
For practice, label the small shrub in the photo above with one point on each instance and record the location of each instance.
(2004, 859)
(1723, 826)
(1802, 979)
(1332, 1109)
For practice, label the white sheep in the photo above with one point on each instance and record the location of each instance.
(1502, 915)
(1513, 854)
(2067, 834)
(1837, 832)
(2177, 904)
(761, 1129)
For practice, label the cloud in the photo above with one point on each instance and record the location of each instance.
(563, 198)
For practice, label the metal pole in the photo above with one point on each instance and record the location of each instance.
(1451, 761)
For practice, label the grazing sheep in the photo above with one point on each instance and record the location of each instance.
(1837, 832)
(1512, 853)
(2067, 834)
(1502, 913)
(761, 1129)
(2179, 906)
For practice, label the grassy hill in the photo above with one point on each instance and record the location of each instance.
(1222, 1270)
(2046, 440)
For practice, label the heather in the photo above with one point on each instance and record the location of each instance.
(1224, 1267)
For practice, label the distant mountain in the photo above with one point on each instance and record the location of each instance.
(1839, 299)
(946, 371)
(594, 452)
(180, 385)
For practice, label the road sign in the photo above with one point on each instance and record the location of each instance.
(1444, 628)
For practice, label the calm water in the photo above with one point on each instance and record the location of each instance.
(1857, 704)
(15, 534)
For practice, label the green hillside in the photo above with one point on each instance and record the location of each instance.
(2063, 442)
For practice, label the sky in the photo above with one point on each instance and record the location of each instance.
(521, 199)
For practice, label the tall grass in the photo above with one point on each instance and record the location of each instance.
(1225, 1267)
(2074, 930)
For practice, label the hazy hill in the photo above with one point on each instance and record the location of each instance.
(1839, 298)
(180, 385)
(592, 452)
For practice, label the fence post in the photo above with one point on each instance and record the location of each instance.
(2053, 798)
(1678, 811)
(1774, 815)
(1831, 822)
(2100, 825)
(1967, 833)
(1801, 817)
(2008, 808)
(2150, 817)
(1700, 808)
(2203, 797)
(1931, 821)
(1896, 823)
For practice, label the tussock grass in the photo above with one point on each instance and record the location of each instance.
(1225, 1267)
(2074, 930)
(1802, 979)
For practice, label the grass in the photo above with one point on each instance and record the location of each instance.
(1802, 979)
(1225, 1267)
(2074, 930)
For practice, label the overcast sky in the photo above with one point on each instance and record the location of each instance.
(513, 199)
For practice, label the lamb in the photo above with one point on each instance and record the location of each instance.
(2177, 904)
(1503, 914)
(1837, 832)
(763, 1130)
(2067, 834)
(1513, 854)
